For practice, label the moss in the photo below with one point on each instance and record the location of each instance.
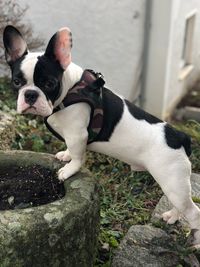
(7, 131)
(196, 199)
(51, 235)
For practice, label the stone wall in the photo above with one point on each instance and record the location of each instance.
(7, 130)
(61, 233)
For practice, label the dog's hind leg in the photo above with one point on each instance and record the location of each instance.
(175, 183)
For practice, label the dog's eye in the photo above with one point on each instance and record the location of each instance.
(50, 84)
(17, 83)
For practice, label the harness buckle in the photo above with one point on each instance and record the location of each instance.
(99, 82)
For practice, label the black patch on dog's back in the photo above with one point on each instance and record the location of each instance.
(140, 114)
(113, 109)
(176, 139)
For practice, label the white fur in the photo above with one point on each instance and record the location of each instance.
(63, 155)
(71, 76)
(28, 65)
(136, 142)
(171, 216)
(76, 118)
(42, 106)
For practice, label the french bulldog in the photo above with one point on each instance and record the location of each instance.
(44, 82)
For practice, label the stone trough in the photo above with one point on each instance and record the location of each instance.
(7, 130)
(62, 232)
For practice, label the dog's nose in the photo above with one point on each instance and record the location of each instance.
(31, 96)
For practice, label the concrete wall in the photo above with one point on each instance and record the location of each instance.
(157, 56)
(107, 36)
(113, 37)
(177, 86)
(163, 87)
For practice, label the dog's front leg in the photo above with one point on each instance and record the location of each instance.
(76, 146)
(72, 123)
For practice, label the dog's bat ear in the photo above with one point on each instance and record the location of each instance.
(14, 43)
(59, 47)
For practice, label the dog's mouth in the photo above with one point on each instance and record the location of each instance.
(37, 110)
(29, 110)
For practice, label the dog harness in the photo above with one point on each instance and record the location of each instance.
(89, 90)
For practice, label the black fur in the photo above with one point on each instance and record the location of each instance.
(140, 114)
(48, 76)
(48, 72)
(10, 35)
(49, 53)
(113, 109)
(17, 74)
(176, 139)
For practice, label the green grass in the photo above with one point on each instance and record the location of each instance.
(127, 197)
(192, 128)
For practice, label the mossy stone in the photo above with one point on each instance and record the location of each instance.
(61, 233)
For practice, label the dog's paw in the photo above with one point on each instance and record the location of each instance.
(63, 174)
(63, 155)
(194, 239)
(69, 169)
(171, 216)
(137, 168)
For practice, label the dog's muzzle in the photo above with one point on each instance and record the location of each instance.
(31, 96)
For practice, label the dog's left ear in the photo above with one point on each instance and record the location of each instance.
(59, 47)
(14, 43)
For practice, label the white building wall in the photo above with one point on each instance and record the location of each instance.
(176, 86)
(107, 36)
(163, 86)
(157, 56)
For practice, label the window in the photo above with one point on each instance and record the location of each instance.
(188, 45)
(188, 40)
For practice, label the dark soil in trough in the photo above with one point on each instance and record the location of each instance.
(22, 187)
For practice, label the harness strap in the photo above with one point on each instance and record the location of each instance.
(87, 90)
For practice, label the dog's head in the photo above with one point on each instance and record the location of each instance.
(37, 77)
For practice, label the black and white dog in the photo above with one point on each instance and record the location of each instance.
(128, 133)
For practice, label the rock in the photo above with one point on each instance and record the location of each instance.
(191, 113)
(187, 113)
(195, 182)
(61, 233)
(7, 131)
(145, 246)
(11, 200)
(164, 205)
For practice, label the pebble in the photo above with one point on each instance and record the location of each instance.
(11, 200)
